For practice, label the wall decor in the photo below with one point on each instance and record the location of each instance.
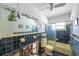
(12, 16)
(27, 26)
(20, 26)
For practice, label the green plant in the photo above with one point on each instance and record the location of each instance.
(12, 16)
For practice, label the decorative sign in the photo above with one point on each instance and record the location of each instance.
(22, 40)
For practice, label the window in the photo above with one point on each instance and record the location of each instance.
(61, 26)
(53, 26)
(75, 22)
(62, 23)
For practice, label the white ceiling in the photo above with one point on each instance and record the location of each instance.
(42, 7)
(56, 11)
(28, 9)
(25, 8)
(39, 5)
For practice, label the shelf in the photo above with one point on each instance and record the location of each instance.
(9, 52)
(29, 44)
(18, 48)
(12, 43)
(14, 35)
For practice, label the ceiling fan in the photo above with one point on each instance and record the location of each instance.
(54, 5)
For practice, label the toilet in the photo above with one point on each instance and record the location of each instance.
(47, 47)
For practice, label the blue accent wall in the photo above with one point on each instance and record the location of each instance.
(63, 35)
(51, 32)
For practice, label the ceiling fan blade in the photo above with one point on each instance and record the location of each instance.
(51, 6)
(59, 5)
